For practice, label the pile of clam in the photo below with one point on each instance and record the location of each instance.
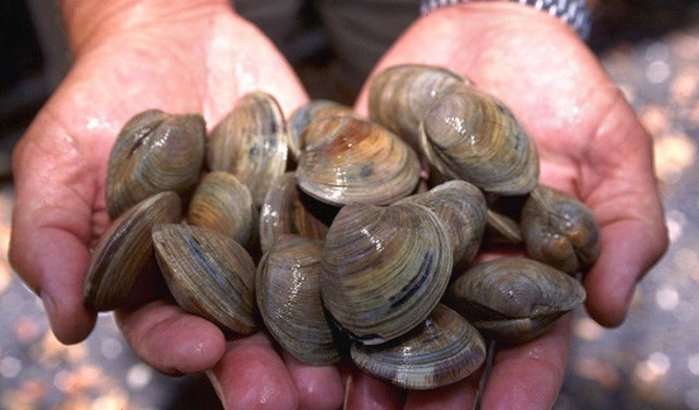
(332, 233)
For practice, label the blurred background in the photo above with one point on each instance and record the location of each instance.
(651, 49)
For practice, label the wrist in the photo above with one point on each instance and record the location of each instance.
(89, 22)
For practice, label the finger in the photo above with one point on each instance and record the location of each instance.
(457, 396)
(318, 387)
(618, 185)
(171, 340)
(367, 392)
(541, 361)
(252, 375)
(51, 225)
(629, 249)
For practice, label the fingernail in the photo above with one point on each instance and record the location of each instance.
(348, 386)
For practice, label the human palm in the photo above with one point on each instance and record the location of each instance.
(590, 144)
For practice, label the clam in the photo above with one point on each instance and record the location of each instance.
(444, 349)
(124, 249)
(353, 160)
(284, 212)
(222, 203)
(514, 299)
(288, 296)
(304, 115)
(470, 135)
(154, 152)
(560, 230)
(209, 275)
(503, 227)
(400, 96)
(251, 143)
(384, 269)
(461, 208)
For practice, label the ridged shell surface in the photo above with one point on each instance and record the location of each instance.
(251, 143)
(154, 152)
(400, 96)
(284, 212)
(223, 203)
(124, 250)
(514, 299)
(384, 269)
(353, 160)
(559, 230)
(288, 297)
(304, 115)
(470, 135)
(461, 208)
(441, 351)
(208, 274)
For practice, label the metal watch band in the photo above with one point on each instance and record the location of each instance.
(575, 13)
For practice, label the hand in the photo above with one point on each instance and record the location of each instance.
(185, 56)
(590, 144)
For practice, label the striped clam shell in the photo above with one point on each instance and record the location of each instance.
(384, 269)
(559, 230)
(208, 274)
(441, 351)
(514, 299)
(288, 296)
(124, 250)
(472, 136)
(307, 113)
(400, 96)
(353, 160)
(154, 152)
(251, 142)
(223, 203)
(462, 209)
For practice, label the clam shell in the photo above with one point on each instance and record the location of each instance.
(307, 113)
(124, 250)
(223, 203)
(470, 135)
(154, 152)
(442, 351)
(559, 230)
(208, 274)
(251, 143)
(461, 208)
(400, 96)
(353, 160)
(284, 212)
(503, 227)
(384, 269)
(288, 297)
(514, 299)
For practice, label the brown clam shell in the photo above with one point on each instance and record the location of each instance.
(400, 96)
(124, 249)
(307, 113)
(472, 136)
(288, 297)
(514, 299)
(384, 269)
(251, 143)
(222, 203)
(209, 275)
(441, 351)
(353, 160)
(559, 230)
(154, 152)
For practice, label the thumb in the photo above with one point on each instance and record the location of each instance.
(51, 225)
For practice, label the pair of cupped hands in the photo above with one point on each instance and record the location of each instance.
(200, 58)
